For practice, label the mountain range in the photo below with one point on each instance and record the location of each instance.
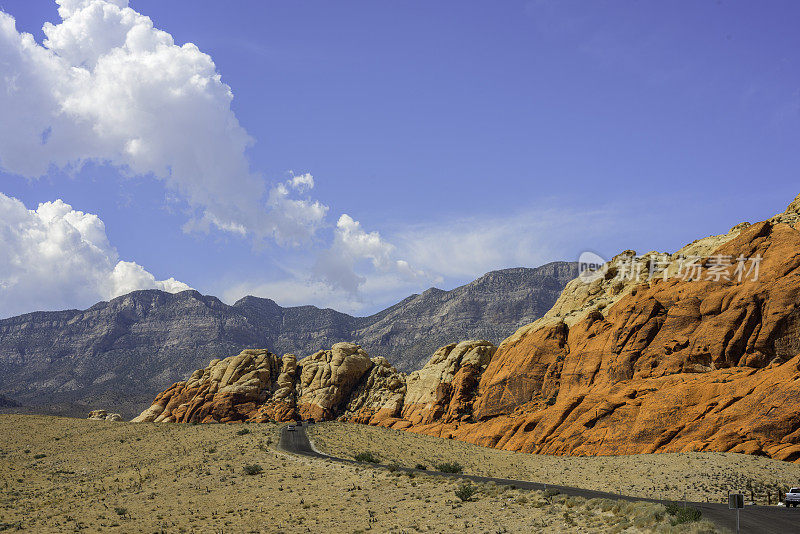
(118, 354)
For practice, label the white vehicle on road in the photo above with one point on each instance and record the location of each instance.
(792, 497)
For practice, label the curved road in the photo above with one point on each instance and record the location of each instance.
(754, 519)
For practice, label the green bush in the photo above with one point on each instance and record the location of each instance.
(39, 456)
(421, 467)
(466, 492)
(121, 511)
(449, 467)
(683, 514)
(254, 469)
(366, 457)
(243, 432)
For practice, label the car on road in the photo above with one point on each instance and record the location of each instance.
(792, 497)
(290, 428)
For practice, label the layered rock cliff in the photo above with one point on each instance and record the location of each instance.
(671, 360)
(118, 354)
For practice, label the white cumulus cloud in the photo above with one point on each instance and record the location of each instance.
(107, 86)
(341, 266)
(55, 257)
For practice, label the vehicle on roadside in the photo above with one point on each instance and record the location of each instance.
(792, 497)
(290, 428)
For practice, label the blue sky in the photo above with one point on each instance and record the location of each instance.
(470, 135)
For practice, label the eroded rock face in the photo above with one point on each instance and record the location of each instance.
(243, 387)
(259, 386)
(340, 383)
(379, 398)
(665, 366)
(328, 378)
(444, 389)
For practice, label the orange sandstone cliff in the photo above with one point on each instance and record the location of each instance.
(620, 365)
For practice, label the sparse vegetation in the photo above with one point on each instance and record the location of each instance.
(120, 511)
(466, 491)
(253, 469)
(449, 467)
(421, 467)
(683, 514)
(366, 457)
(243, 432)
(696, 476)
(169, 481)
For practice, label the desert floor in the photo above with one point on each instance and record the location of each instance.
(698, 477)
(59, 474)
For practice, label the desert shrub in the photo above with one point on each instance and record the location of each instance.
(39, 456)
(243, 432)
(366, 456)
(120, 511)
(550, 492)
(393, 467)
(683, 514)
(449, 467)
(254, 469)
(421, 467)
(466, 492)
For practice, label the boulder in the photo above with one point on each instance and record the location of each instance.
(102, 415)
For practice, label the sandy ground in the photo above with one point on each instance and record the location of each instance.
(699, 477)
(59, 474)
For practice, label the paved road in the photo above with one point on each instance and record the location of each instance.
(753, 519)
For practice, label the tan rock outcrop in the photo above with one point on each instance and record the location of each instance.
(379, 398)
(327, 379)
(233, 389)
(445, 388)
(102, 415)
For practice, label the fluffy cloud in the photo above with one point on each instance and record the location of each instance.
(107, 86)
(56, 257)
(340, 265)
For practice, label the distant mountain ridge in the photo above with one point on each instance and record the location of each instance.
(117, 354)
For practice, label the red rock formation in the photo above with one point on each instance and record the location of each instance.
(672, 366)
(616, 367)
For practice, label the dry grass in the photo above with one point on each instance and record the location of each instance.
(122, 477)
(699, 477)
